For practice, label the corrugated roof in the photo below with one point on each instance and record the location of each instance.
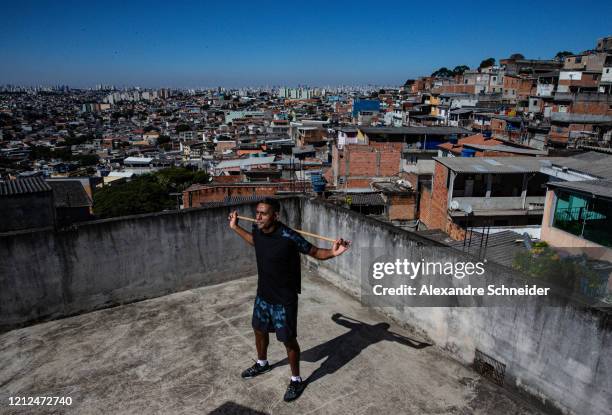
(501, 247)
(233, 200)
(251, 161)
(69, 193)
(366, 199)
(23, 186)
(600, 188)
(593, 163)
(506, 149)
(580, 118)
(414, 130)
(138, 160)
(492, 164)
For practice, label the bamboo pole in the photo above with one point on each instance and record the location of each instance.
(314, 235)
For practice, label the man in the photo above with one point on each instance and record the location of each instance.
(278, 248)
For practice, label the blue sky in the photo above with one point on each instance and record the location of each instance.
(199, 44)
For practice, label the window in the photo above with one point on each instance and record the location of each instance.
(587, 218)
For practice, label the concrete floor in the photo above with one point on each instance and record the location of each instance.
(183, 353)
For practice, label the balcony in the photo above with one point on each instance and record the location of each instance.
(491, 206)
(155, 317)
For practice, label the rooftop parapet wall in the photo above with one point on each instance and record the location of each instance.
(51, 274)
(553, 349)
(560, 354)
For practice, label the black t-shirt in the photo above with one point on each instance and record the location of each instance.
(278, 263)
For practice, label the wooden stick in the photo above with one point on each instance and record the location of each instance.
(314, 235)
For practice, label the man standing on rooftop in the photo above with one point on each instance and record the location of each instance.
(278, 248)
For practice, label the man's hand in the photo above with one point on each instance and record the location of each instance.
(233, 224)
(233, 219)
(340, 246)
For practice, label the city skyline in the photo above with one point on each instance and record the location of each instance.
(199, 46)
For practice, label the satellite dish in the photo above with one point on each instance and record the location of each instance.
(468, 209)
(454, 205)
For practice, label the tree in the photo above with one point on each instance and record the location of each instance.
(47, 153)
(150, 128)
(163, 139)
(517, 56)
(182, 127)
(87, 159)
(141, 195)
(487, 63)
(147, 193)
(459, 70)
(72, 140)
(562, 54)
(443, 72)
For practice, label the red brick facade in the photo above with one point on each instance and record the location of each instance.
(439, 199)
(402, 207)
(357, 164)
(197, 195)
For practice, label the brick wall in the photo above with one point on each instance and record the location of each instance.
(456, 89)
(585, 107)
(510, 82)
(454, 231)
(526, 88)
(358, 164)
(197, 197)
(221, 146)
(425, 205)
(402, 207)
(439, 199)
(350, 182)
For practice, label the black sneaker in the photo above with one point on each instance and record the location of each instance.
(294, 390)
(256, 370)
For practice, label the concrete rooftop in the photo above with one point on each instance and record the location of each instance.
(183, 353)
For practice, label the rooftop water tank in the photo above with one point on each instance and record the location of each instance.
(468, 152)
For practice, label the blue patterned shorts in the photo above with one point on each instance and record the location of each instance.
(275, 318)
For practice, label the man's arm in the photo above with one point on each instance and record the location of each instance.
(233, 223)
(340, 246)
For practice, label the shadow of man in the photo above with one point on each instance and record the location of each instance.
(344, 348)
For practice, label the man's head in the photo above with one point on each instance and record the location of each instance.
(267, 213)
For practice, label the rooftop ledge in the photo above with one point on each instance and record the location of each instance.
(182, 346)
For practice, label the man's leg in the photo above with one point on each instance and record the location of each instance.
(297, 385)
(261, 323)
(262, 340)
(293, 355)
